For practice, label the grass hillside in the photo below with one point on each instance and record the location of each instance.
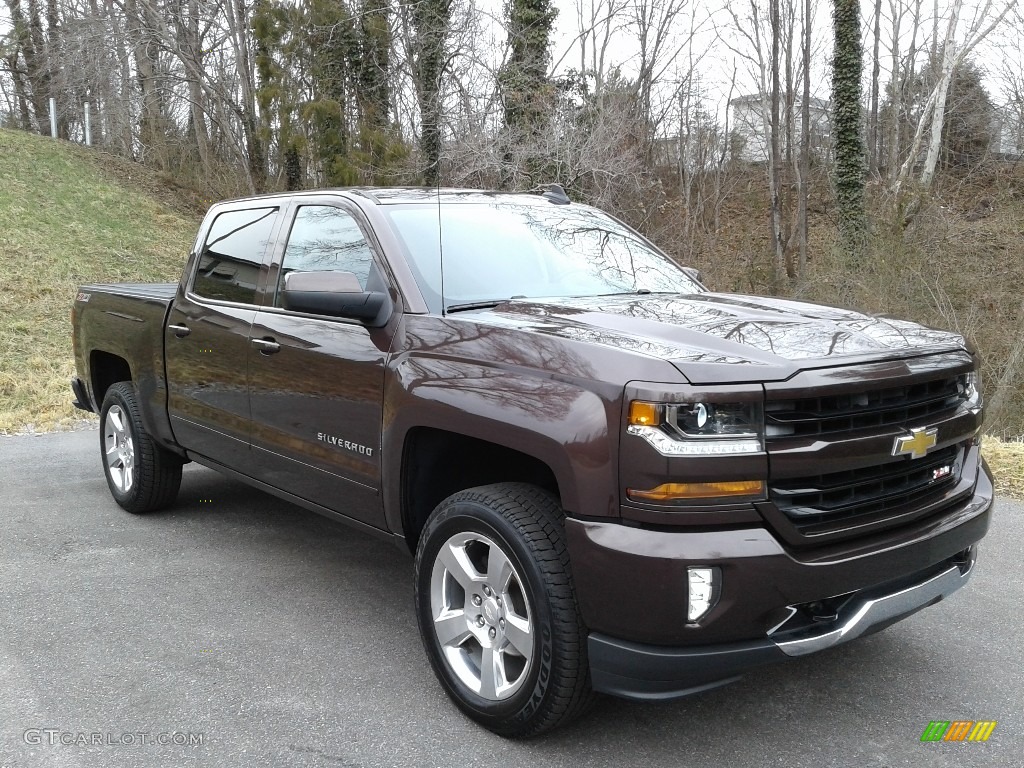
(68, 216)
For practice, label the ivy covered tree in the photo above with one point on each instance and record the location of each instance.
(431, 23)
(525, 88)
(847, 73)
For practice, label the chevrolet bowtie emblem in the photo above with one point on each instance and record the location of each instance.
(916, 444)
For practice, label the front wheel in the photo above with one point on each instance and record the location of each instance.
(497, 611)
(142, 476)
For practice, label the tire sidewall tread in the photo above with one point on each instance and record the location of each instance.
(157, 470)
(526, 522)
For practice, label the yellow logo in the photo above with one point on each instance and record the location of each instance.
(916, 444)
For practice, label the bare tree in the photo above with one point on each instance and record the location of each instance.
(951, 52)
(876, 69)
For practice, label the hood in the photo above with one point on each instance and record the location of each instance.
(715, 338)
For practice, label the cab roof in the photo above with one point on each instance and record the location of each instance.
(431, 195)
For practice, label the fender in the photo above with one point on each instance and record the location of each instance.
(562, 421)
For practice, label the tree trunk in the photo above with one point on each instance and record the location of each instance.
(847, 70)
(123, 119)
(194, 49)
(431, 20)
(876, 68)
(805, 142)
(775, 162)
(144, 44)
(22, 43)
(942, 90)
(238, 31)
(892, 130)
(53, 64)
(21, 97)
(36, 65)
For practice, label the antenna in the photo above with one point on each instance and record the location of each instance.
(440, 244)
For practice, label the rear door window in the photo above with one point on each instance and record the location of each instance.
(229, 265)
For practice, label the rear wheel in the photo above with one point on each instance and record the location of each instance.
(497, 611)
(142, 476)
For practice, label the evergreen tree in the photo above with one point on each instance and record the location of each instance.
(968, 124)
(333, 63)
(277, 35)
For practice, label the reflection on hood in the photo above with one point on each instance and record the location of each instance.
(723, 329)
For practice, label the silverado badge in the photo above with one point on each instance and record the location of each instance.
(916, 444)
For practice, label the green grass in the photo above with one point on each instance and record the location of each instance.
(69, 216)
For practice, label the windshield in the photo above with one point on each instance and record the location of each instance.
(502, 250)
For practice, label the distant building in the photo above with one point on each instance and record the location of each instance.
(1007, 133)
(747, 124)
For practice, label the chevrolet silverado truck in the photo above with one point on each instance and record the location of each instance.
(612, 480)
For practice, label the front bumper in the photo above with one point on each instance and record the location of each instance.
(638, 671)
(774, 603)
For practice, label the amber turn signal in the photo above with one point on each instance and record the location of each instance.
(677, 491)
(643, 414)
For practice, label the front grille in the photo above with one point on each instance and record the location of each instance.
(866, 492)
(858, 411)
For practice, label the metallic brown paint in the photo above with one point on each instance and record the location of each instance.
(551, 379)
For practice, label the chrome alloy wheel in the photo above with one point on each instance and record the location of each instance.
(481, 616)
(119, 450)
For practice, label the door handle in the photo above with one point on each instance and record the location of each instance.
(266, 346)
(181, 331)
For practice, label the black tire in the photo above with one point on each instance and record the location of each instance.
(154, 471)
(525, 524)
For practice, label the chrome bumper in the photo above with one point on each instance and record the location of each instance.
(864, 613)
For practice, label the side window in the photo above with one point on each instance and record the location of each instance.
(229, 266)
(325, 239)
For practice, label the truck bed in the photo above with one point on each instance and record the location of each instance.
(159, 292)
(126, 321)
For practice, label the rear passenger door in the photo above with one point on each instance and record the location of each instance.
(206, 341)
(316, 383)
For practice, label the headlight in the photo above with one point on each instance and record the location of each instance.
(970, 390)
(699, 428)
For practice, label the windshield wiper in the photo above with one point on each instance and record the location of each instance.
(474, 305)
(640, 292)
(490, 304)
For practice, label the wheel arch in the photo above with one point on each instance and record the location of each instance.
(425, 480)
(105, 370)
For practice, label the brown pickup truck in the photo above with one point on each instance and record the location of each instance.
(612, 479)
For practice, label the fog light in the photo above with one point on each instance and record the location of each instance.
(702, 589)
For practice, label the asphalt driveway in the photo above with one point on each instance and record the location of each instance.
(238, 630)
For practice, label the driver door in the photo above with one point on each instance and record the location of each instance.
(316, 383)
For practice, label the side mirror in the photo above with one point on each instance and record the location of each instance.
(695, 274)
(337, 294)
